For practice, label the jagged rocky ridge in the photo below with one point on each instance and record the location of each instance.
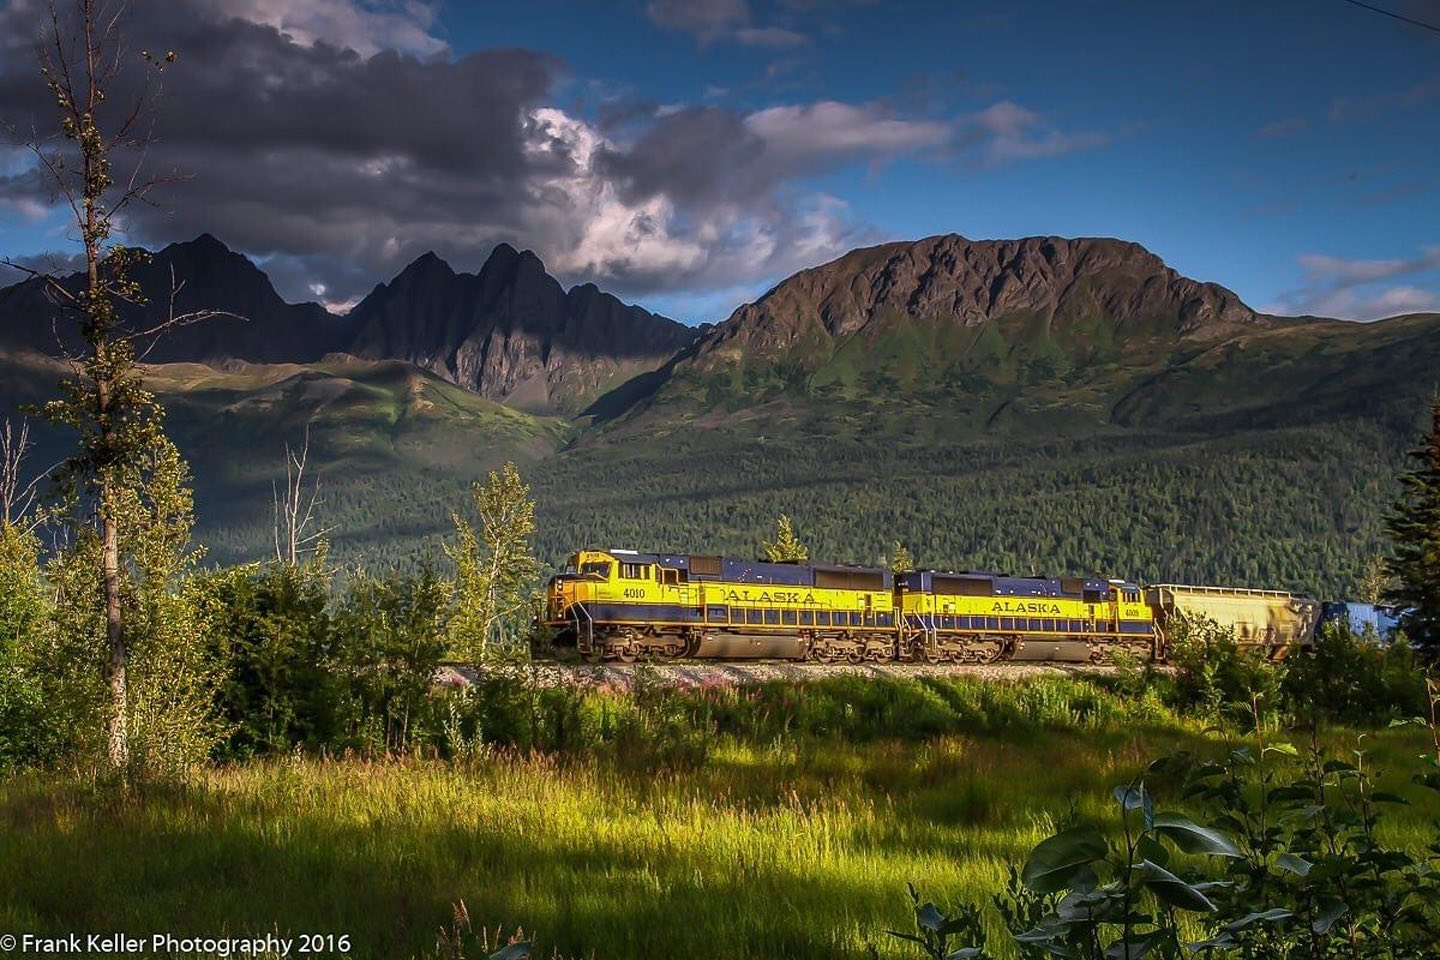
(510, 332)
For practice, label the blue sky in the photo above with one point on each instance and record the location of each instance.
(691, 154)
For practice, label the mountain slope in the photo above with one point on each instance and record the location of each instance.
(1085, 334)
(201, 274)
(511, 332)
(394, 448)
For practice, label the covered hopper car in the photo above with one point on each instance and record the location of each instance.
(624, 604)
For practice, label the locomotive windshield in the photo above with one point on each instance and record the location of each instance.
(599, 568)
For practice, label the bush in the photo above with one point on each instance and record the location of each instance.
(26, 736)
(1288, 862)
(389, 641)
(271, 628)
(1216, 676)
(1351, 680)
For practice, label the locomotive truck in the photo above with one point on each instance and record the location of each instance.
(624, 605)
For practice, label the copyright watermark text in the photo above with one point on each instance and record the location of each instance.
(122, 944)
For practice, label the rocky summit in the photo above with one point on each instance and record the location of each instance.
(952, 281)
(511, 332)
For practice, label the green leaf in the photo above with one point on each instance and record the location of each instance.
(1149, 848)
(1049, 928)
(930, 918)
(1223, 940)
(1136, 947)
(1137, 798)
(1291, 792)
(1172, 890)
(1287, 749)
(1381, 796)
(1190, 837)
(1293, 864)
(1330, 911)
(1264, 916)
(519, 950)
(1057, 861)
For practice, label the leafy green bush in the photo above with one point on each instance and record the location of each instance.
(1288, 862)
(389, 641)
(271, 627)
(26, 736)
(1351, 680)
(1216, 676)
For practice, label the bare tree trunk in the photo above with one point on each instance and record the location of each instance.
(118, 738)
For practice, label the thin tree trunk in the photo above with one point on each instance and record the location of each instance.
(119, 739)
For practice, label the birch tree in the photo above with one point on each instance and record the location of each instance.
(496, 572)
(118, 422)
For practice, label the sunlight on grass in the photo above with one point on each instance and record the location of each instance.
(782, 849)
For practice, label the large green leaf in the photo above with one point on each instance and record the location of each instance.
(520, 950)
(1329, 912)
(1136, 947)
(1172, 890)
(1193, 838)
(1264, 916)
(929, 917)
(1294, 864)
(1056, 862)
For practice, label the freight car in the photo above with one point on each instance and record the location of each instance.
(1274, 620)
(622, 604)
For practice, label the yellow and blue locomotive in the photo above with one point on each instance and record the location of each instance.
(622, 604)
(982, 617)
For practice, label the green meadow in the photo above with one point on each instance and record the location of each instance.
(791, 838)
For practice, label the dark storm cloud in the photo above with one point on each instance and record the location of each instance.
(292, 149)
(336, 167)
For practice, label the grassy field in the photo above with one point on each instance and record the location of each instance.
(795, 846)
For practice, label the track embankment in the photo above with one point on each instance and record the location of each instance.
(739, 673)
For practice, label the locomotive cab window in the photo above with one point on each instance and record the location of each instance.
(596, 568)
(634, 571)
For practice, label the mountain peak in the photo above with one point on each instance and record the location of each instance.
(947, 314)
(511, 332)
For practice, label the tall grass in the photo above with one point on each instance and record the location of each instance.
(792, 834)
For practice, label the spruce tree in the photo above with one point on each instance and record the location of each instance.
(900, 560)
(785, 548)
(1414, 528)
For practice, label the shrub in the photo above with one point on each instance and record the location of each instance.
(271, 628)
(1217, 676)
(1288, 863)
(389, 641)
(1350, 679)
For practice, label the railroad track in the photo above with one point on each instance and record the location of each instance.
(711, 673)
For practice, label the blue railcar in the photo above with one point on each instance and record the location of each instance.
(1364, 619)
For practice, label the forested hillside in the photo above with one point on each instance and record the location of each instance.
(1045, 405)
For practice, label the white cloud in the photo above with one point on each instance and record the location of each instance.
(1006, 132)
(1354, 304)
(1350, 289)
(1337, 271)
(707, 19)
(366, 28)
(594, 231)
(829, 127)
(776, 38)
